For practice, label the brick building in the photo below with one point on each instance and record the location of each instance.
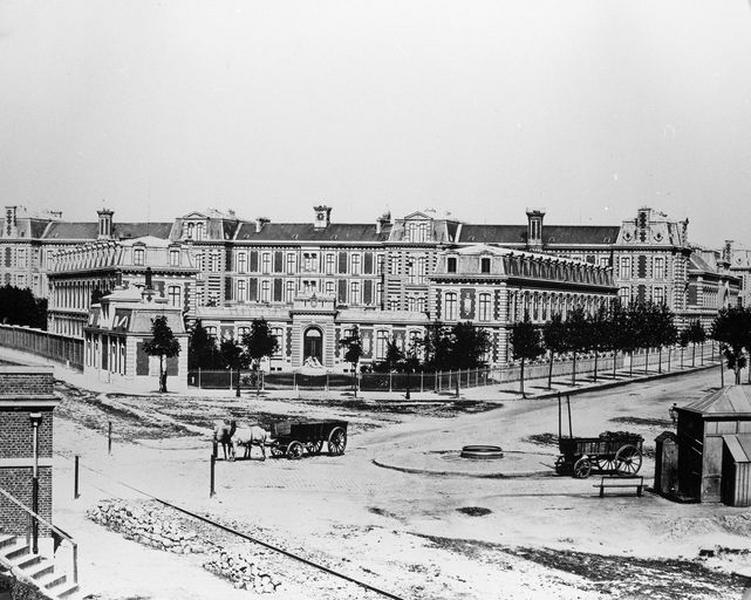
(26, 394)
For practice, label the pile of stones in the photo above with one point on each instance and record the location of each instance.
(149, 524)
(160, 527)
(243, 574)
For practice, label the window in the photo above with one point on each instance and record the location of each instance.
(190, 229)
(624, 295)
(330, 263)
(421, 269)
(265, 290)
(138, 256)
(175, 295)
(382, 340)
(449, 306)
(309, 262)
(174, 258)
(309, 286)
(379, 293)
(242, 332)
(278, 333)
(330, 288)
(214, 262)
(658, 294)
(451, 264)
(211, 331)
(625, 267)
(421, 304)
(659, 268)
(199, 260)
(199, 231)
(410, 271)
(380, 263)
(289, 292)
(356, 258)
(290, 263)
(242, 262)
(354, 292)
(484, 265)
(604, 261)
(21, 258)
(266, 262)
(483, 307)
(412, 303)
(242, 290)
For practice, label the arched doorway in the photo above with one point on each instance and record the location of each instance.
(313, 344)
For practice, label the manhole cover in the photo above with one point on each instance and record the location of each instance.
(481, 451)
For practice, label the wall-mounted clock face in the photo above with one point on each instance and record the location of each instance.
(320, 216)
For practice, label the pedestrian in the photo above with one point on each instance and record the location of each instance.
(673, 412)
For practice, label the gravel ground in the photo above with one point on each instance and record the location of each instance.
(414, 535)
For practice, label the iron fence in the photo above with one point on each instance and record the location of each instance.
(54, 346)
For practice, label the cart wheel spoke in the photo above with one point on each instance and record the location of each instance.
(628, 460)
(337, 441)
(295, 450)
(582, 468)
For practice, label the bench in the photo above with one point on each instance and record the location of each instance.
(614, 482)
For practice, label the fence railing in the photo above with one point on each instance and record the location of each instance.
(642, 361)
(69, 565)
(60, 348)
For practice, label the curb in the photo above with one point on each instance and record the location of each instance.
(495, 475)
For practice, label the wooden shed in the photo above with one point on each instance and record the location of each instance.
(702, 425)
(736, 470)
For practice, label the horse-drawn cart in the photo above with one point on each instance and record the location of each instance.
(294, 438)
(611, 452)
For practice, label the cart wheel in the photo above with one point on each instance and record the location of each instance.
(608, 465)
(582, 468)
(314, 447)
(337, 441)
(628, 460)
(560, 465)
(277, 450)
(295, 450)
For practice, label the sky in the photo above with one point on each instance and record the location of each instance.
(586, 108)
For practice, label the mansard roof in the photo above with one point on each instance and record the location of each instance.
(69, 230)
(551, 234)
(334, 232)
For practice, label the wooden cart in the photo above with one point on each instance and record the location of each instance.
(612, 452)
(293, 439)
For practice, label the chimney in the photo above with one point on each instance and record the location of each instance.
(260, 222)
(727, 251)
(56, 214)
(11, 213)
(534, 228)
(105, 224)
(382, 221)
(323, 216)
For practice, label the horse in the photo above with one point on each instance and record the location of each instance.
(254, 435)
(223, 432)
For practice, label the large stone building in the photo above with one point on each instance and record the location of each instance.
(247, 266)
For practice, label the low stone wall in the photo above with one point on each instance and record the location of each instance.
(160, 527)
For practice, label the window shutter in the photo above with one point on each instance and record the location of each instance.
(277, 290)
(278, 262)
(342, 296)
(367, 292)
(367, 266)
(342, 262)
(253, 288)
(142, 360)
(254, 261)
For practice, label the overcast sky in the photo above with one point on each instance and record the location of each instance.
(588, 108)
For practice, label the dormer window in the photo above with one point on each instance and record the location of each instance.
(174, 257)
(451, 264)
(485, 265)
(139, 256)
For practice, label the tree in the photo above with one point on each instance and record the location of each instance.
(731, 328)
(667, 333)
(394, 356)
(696, 335)
(437, 347)
(598, 334)
(577, 332)
(526, 344)
(234, 357)
(683, 340)
(554, 337)
(162, 344)
(353, 351)
(202, 350)
(259, 343)
(20, 307)
(469, 346)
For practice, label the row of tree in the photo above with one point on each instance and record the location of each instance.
(20, 307)
(461, 346)
(640, 325)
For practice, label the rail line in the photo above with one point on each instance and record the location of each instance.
(239, 534)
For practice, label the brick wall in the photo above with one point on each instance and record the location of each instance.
(21, 383)
(16, 434)
(17, 482)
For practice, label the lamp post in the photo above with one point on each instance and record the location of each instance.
(36, 419)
